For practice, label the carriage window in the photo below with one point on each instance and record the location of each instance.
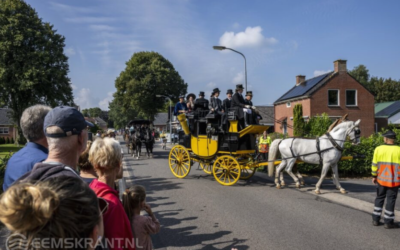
(351, 97)
(333, 97)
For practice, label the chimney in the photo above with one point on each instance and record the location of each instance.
(300, 79)
(340, 65)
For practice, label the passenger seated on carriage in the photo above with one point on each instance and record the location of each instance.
(201, 104)
(181, 106)
(216, 109)
(254, 117)
(240, 107)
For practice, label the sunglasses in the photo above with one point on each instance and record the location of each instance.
(103, 205)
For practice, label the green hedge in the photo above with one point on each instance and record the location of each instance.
(3, 164)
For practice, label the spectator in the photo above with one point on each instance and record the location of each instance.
(36, 149)
(106, 158)
(134, 200)
(66, 132)
(51, 211)
(86, 169)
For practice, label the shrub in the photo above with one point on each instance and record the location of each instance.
(12, 140)
(7, 140)
(3, 165)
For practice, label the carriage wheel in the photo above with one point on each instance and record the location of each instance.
(247, 173)
(226, 170)
(179, 161)
(206, 166)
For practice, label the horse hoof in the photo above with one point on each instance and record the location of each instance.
(283, 184)
(297, 185)
(278, 186)
(317, 192)
(343, 191)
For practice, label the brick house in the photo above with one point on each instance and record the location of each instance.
(335, 93)
(387, 113)
(7, 124)
(267, 114)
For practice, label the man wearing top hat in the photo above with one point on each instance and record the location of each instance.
(201, 103)
(241, 107)
(226, 104)
(215, 107)
(386, 177)
(255, 116)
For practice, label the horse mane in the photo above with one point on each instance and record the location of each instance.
(337, 122)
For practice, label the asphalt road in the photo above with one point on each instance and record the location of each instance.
(199, 213)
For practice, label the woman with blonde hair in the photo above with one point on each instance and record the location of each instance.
(106, 157)
(134, 201)
(59, 210)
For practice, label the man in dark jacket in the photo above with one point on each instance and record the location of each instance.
(241, 107)
(254, 116)
(201, 103)
(215, 107)
(226, 104)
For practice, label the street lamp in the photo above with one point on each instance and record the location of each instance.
(170, 117)
(245, 64)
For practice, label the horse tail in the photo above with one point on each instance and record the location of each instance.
(273, 150)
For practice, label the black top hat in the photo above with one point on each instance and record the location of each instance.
(190, 95)
(239, 86)
(229, 92)
(216, 90)
(389, 134)
(201, 93)
(250, 93)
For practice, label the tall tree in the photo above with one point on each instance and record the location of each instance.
(33, 67)
(119, 115)
(146, 75)
(361, 74)
(92, 112)
(298, 120)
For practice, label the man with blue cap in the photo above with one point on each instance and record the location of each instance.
(66, 131)
(386, 177)
(180, 107)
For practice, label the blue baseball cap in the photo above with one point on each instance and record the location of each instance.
(69, 119)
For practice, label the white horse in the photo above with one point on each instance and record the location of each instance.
(326, 150)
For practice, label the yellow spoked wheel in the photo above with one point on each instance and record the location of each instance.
(226, 170)
(206, 166)
(247, 173)
(179, 161)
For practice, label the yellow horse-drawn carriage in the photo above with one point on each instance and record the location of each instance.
(228, 156)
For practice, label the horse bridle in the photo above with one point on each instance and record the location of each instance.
(357, 135)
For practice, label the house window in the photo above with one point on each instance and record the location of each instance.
(4, 131)
(351, 97)
(288, 104)
(333, 97)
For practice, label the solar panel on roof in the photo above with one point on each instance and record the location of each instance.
(304, 87)
(395, 107)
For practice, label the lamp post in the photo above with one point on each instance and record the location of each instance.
(245, 64)
(170, 117)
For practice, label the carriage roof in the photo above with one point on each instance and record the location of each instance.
(139, 122)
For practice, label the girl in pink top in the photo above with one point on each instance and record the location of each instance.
(134, 200)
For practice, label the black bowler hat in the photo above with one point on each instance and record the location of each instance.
(229, 92)
(69, 119)
(250, 93)
(239, 86)
(389, 134)
(190, 95)
(201, 93)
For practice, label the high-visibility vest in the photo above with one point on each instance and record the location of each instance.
(264, 144)
(386, 165)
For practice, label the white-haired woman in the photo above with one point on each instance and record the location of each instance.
(106, 157)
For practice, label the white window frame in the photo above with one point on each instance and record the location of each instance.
(3, 129)
(288, 104)
(338, 98)
(355, 105)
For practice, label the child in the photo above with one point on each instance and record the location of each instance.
(134, 200)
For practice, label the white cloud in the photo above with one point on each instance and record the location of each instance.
(320, 72)
(100, 27)
(103, 104)
(88, 19)
(74, 87)
(84, 98)
(69, 51)
(239, 78)
(251, 37)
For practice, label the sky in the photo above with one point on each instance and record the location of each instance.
(280, 39)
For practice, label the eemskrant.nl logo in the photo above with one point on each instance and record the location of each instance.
(20, 242)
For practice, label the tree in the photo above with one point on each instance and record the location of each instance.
(298, 120)
(92, 112)
(33, 67)
(146, 75)
(119, 115)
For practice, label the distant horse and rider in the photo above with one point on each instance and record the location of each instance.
(139, 134)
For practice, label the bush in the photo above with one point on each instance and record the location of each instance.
(7, 140)
(2, 141)
(12, 140)
(3, 165)
(317, 125)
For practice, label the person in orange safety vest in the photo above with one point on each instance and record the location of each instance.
(386, 177)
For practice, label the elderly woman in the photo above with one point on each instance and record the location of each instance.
(56, 211)
(106, 158)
